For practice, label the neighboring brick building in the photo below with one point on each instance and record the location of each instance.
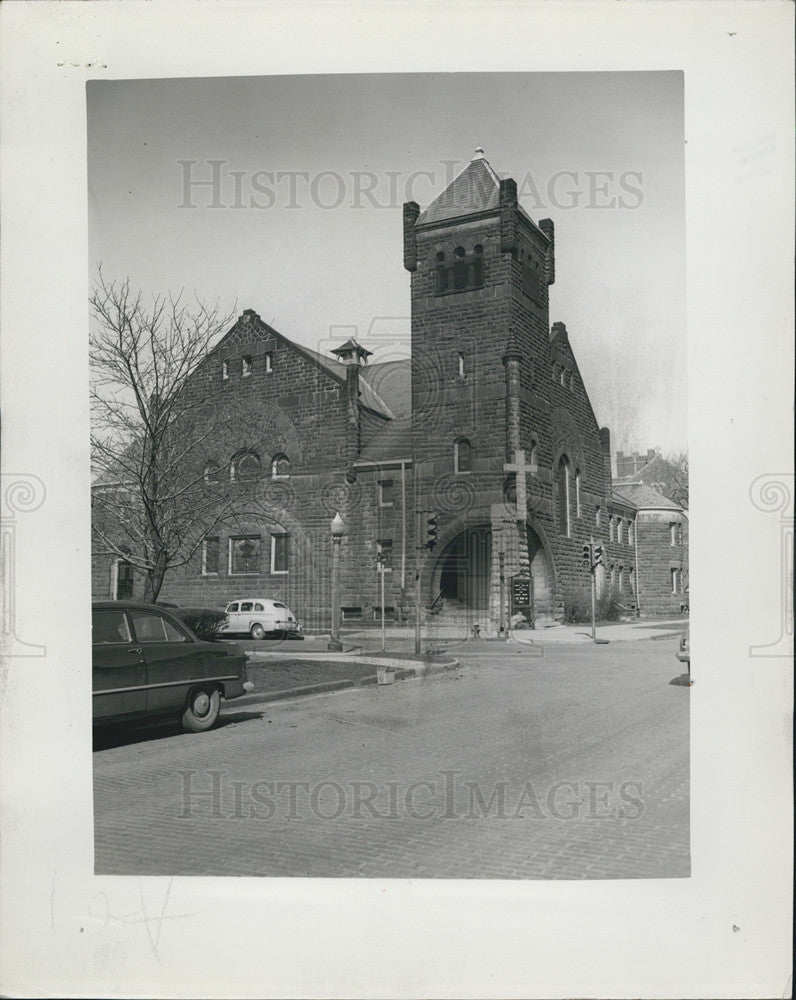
(488, 426)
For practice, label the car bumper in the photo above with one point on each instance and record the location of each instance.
(683, 656)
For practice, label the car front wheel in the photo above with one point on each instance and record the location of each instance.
(202, 710)
(257, 631)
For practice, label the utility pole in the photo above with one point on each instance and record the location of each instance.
(503, 629)
(418, 550)
(381, 575)
(593, 574)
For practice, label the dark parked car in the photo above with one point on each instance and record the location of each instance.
(147, 662)
(684, 650)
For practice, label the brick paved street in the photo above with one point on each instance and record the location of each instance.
(573, 764)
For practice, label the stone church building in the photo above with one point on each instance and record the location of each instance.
(485, 436)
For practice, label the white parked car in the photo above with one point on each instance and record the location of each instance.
(260, 616)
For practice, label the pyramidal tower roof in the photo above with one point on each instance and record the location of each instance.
(476, 189)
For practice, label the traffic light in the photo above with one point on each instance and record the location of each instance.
(432, 526)
(598, 555)
(587, 555)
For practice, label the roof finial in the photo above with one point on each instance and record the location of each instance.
(479, 152)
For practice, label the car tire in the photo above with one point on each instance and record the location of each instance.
(201, 711)
(257, 631)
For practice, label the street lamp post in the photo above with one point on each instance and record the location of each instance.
(338, 530)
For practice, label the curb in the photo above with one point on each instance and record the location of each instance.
(402, 673)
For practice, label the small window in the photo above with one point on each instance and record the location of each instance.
(280, 467)
(461, 370)
(562, 378)
(153, 628)
(173, 634)
(598, 516)
(631, 534)
(619, 524)
(246, 466)
(675, 576)
(258, 606)
(244, 555)
(384, 553)
(109, 627)
(610, 529)
(462, 456)
(279, 551)
(232, 608)
(210, 556)
(225, 369)
(269, 362)
(386, 492)
(673, 535)
(621, 578)
(282, 607)
(246, 370)
(247, 606)
(578, 512)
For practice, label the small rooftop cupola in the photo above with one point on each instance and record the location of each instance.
(352, 353)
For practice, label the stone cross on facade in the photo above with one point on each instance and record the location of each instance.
(520, 469)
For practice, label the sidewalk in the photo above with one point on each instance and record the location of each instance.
(400, 641)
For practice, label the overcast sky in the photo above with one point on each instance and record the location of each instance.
(303, 221)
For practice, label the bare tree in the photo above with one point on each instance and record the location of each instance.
(675, 477)
(153, 413)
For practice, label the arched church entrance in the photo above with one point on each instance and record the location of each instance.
(541, 574)
(463, 572)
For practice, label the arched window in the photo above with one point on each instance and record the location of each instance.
(280, 466)
(619, 524)
(631, 533)
(534, 454)
(212, 473)
(577, 493)
(442, 274)
(598, 516)
(478, 266)
(245, 466)
(610, 529)
(563, 478)
(459, 269)
(462, 456)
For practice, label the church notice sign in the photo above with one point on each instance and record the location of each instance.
(521, 598)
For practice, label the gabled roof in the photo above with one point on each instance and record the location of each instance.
(476, 189)
(644, 497)
(392, 383)
(391, 442)
(368, 396)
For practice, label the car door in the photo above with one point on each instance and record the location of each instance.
(118, 667)
(246, 616)
(233, 616)
(173, 659)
